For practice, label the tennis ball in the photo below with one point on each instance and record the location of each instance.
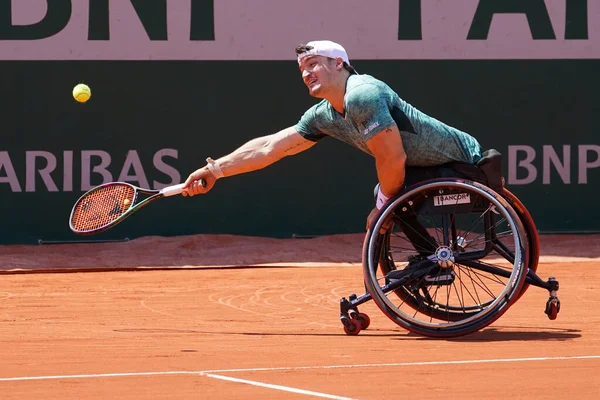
(82, 93)
(126, 202)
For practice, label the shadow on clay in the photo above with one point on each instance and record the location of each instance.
(515, 334)
(486, 335)
(190, 331)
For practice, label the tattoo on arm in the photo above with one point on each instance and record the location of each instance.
(389, 130)
(292, 147)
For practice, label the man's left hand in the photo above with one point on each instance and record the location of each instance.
(384, 227)
(371, 216)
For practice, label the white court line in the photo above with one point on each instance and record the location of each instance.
(113, 375)
(205, 372)
(404, 364)
(277, 387)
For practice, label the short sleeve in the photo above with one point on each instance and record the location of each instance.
(307, 126)
(369, 108)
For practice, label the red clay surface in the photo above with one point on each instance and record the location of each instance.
(190, 317)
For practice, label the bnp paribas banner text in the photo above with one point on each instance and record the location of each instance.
(268, 30)
(176, 81)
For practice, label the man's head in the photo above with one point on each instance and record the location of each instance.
(324, 65)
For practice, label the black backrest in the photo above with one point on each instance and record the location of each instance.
(491, 165)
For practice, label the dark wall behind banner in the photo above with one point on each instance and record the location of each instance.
(208, 108)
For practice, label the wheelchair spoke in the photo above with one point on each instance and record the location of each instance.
(460, 296)
(484, 235)
(481, 266)
(434, 222)
(424, 305)
(475, 297)
(504, 234)
(447, 307)
(421, 236)
(411, 249)
(435, 293)
(468, 231)
(497, 280)
(464, 233)
(481, 239)
(479, 279)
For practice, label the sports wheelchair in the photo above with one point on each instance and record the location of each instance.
(450, 253)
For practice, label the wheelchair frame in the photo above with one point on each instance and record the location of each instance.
(458, 322)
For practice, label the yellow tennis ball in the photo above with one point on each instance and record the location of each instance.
(82, 93)
(126, 202)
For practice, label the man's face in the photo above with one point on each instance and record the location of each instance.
(318, 74)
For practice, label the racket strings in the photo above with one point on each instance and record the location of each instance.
(101, 207)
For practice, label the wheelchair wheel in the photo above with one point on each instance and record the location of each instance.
(533, 246)
(445, 258)
(531, 232)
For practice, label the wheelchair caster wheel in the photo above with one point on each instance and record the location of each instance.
(352, 327)
(552, 307)
(363, 319)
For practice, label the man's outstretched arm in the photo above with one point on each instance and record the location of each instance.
(256, 154)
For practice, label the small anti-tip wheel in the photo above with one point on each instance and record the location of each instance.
(552, 308)
(363, 319)
(352, 327)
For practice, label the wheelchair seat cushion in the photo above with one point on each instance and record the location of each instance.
(488, 171)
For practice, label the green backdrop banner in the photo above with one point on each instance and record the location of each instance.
(153, 122)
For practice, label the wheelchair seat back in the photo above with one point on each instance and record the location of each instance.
(487, 171)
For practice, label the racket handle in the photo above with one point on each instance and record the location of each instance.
(177, 189)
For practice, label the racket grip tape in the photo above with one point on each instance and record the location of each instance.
(177, 189)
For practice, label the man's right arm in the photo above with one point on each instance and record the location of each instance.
(264, 151)
(254, 155)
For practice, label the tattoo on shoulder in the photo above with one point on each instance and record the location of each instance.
(389, 130)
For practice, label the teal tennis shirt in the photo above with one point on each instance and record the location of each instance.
(370, 107)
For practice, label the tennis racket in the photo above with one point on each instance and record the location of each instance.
(107, 205)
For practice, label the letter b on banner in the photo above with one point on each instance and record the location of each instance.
(56, 19)
(151, 13)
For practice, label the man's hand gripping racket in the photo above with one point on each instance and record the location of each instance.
(106, 205)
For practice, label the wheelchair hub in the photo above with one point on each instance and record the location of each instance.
(444, 256)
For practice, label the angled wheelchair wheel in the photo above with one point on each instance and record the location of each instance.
(446, 257)
(533, 239)
(532, 245)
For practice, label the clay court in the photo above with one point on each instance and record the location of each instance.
(239, 317)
